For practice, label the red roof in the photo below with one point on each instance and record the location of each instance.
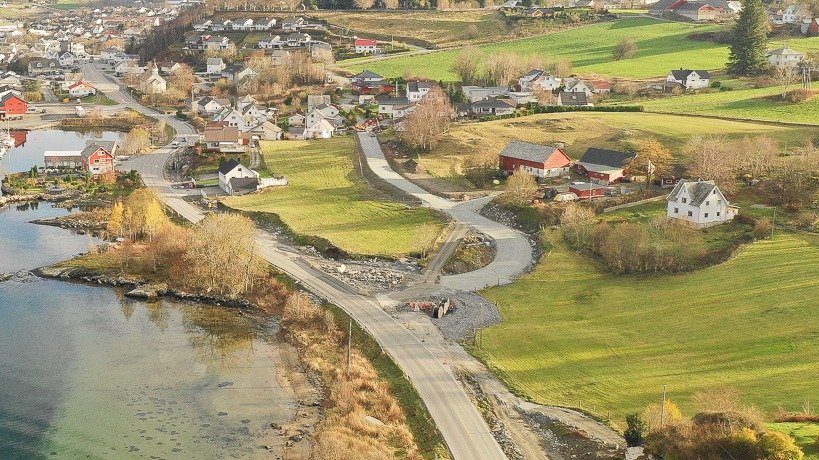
(599, 84)
(80, 83)
(364, 42)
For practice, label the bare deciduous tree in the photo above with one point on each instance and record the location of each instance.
(468, 65)
(519, 188)
(711, 158)
(785, 76)
(625, 49)
(428, 122)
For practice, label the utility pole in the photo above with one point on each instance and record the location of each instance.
(349, 346)
(481, 345)
(662, 409)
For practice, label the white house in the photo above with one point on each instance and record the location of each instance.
(237, 179)
(366, 46)
(270, 42)
(153, 83)
(416, 90)
(576, 85)
(294, 40)
(108, 54)
(690, 79)
(699, 204)
(538, 79)
(293, 23)
(215, 66)
(81, 89)
(784, 57)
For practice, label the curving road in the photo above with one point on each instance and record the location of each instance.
(514, 254)
(461, 425)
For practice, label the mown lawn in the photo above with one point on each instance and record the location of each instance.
(662, 46)
(806, 435)
(574, 333)
(759, 104)
(327, 199)
(579, 131)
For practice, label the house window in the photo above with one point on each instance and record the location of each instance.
(685, 200)
(706, 215)
(707, 203)
(717, 213)
(690, 214)
(676, 210)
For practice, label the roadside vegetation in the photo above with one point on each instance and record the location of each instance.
(327, 198)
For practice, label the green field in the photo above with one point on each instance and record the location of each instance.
(326, 198)
(806, 435)
(581, 130)
(575, 334)
(758, 104)
(662, 46)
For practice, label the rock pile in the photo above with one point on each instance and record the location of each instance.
(468, 313)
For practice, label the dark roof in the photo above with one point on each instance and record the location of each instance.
(603, 157)
(698, 191)
(413, 86)
(367, 74)
(573, 98)
(390, 100)
(93, 146)
(493, 102)
(682, 74)
(229, 166)
(527, 151)
(244, 184)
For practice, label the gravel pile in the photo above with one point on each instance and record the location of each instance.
(465, 315)
(372, 276)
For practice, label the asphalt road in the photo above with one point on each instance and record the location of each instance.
(462, 426)
(514, 254)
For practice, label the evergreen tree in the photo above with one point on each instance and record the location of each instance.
(747, 56)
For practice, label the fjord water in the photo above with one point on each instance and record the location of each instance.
(32, 144)
(87, 373)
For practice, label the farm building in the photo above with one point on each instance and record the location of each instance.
(538, 160)
(586, 190)
(699, 204)
(690, 79)
(603, 166)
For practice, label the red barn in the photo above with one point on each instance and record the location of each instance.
(604, 166)
(12, 105)
(586, 190)
(98, 157)
(538, 160)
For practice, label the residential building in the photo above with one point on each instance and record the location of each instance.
(699, 204)
(11, 104)
(416, 90)
(492, 106)
(538, 79)
(578, 99)
(365, 46)
(784, 57)
(297, 39)
(39, 66)
(237, 179)
(266, 131)
(479, 93)
(98, 156)
(604, 166)
(690, 79)
(215, 66)
(218, 135)
(81, 89)
(295, 23)
(539, 160)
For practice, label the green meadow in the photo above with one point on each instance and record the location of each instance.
(575, 334)
(326, 198)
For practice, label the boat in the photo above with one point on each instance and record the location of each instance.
(2, 151)
(6, 138)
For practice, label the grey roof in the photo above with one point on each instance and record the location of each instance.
(229, 166)
(367, 74)
(573, 98)
(493, 102)
(415, 85)
(93, 146)
(394, 101)
(697, 190)
(527, 151)
(682, 74)
(244, 184)
(532, 74)
(214, 61)
(603, 157)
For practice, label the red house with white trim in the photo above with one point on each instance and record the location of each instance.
(538, 160)
(10, 104)
(604, 166)
(586, 190)
(98, 157)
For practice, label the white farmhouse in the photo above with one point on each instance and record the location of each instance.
(237, 179)
(690, 79)
(416, 90)
(784, 57)
(699, 204)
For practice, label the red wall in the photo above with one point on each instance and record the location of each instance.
(15, 106)
(585, 193)
(511, 164)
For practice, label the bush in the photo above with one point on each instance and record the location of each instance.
(635, 430)
(797, 96)
(762, 229)
(716, 84)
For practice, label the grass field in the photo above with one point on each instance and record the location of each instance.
(806, 435)
(437, 28)
(614, 130)
(759, 104)
(575, 334)
(326, 198)
(662, 46)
